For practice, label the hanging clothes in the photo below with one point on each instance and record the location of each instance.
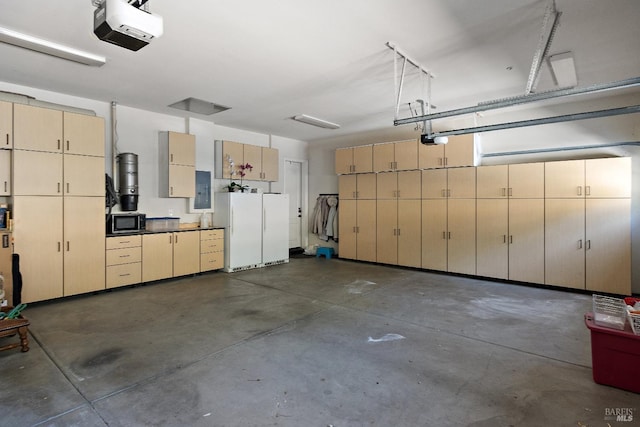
(324, 221)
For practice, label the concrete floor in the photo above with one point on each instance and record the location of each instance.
(314, 342)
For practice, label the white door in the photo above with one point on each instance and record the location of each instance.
(293, 187)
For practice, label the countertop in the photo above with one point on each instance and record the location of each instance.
(179, 230)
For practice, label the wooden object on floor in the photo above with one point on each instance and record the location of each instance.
(10, 327)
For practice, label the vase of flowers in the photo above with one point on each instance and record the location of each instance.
(242, 172)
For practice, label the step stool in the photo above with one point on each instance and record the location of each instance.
(327, 252)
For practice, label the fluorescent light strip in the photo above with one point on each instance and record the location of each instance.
(50, 48)
(315, 122)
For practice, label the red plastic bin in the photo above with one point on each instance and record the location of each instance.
(615, 356)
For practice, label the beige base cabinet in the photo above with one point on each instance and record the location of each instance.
(123, 260)
(211, 249)
(5, 172)
(6, 124)
(157, 256)
(186, 253)
(357, 230)
(167, 255)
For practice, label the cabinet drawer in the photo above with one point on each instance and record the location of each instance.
(211, 234)
(211, 261)
(211, 246)
(124, 242)
(124, 256)
(124, 274)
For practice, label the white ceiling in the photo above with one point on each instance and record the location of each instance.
(271, 60)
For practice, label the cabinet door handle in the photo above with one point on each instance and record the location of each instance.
(5, 186)
(68, 247)
(394, 231)
(67, 145)
(58, 144)
(59, 247)
(446, 161)
(176, 241)
(511, 239)
(449, 235)
(125, 256)
(510, 192)
(125, 274)
(580, 244)
(442, 193)
(354, 229)
(440, 161)
(398, 231)
(587, 190)
(504, 238)
(171, 190)
(504, 191)
(171, 155)
(398, 194)
(67, 188)
(444, 235)
(7, 139)
(357, 194)
(58, 187)
(588, 244)
(449, 192)
(579, 190)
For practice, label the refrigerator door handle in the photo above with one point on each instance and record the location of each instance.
(231, 223)
(264, 219)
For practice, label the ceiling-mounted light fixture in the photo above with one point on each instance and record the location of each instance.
(50, 48)
(315, 122)
(563, 68)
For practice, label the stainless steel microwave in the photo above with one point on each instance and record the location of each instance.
(125, 223)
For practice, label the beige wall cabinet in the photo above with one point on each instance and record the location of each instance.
(593, 178)
(6, 124)
(38, 239)
(84, 235)
(395, 156)
(36, 128)
(83, 134)
(211, 249)
(357, 230)
(228, 152)
(360, 186)
(459, 151)
(354, 160)
(177, 164)
(5, 172)
(264, 161)
(123, 260)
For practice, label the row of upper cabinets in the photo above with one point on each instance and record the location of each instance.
(230, 156)
(26, 127)
(406, 155)
(603, 178)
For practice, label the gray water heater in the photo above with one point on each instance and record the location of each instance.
(128, 181)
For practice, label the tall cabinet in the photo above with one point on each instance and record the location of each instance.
(59, 211)
(357, 224)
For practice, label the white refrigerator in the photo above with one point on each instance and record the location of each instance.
(256, 229)
(275, 228)
(240, 215)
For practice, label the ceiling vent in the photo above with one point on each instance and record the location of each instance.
(195, 105)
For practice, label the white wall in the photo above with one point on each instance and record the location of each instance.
(137, 132)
